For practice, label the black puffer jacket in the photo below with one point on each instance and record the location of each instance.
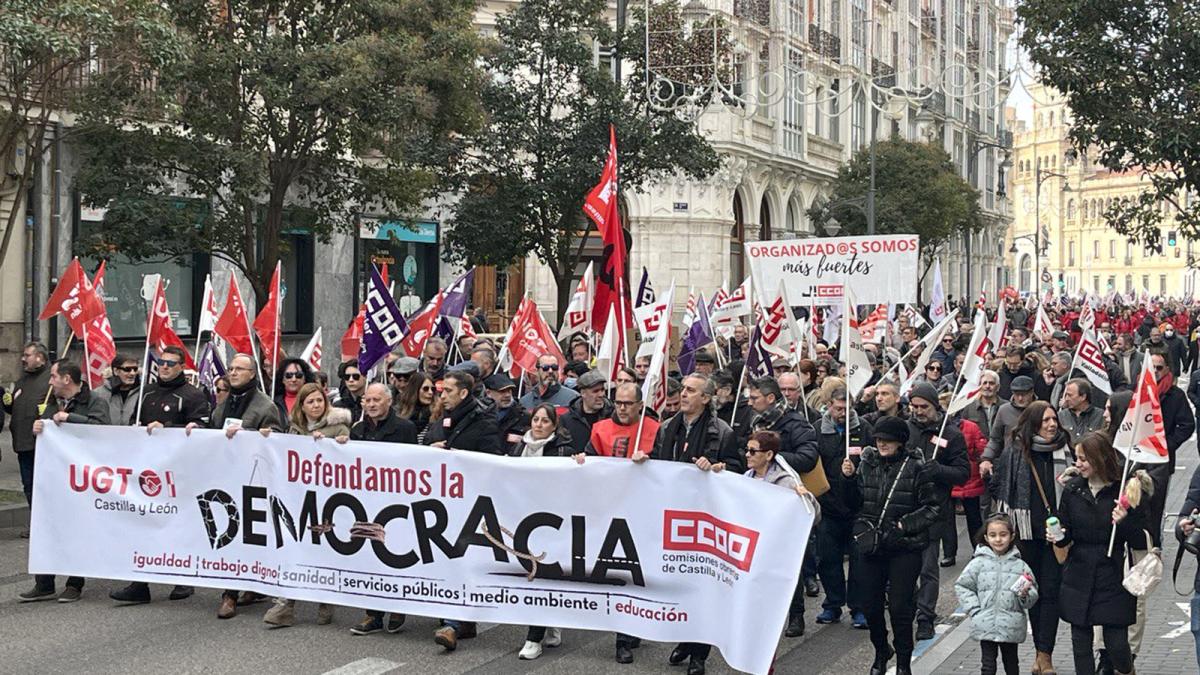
(741, 421)
(579, 423)
(798, 441)
(175, 404)
(1091, 593)
(831, 443)
(913, 509)
(1178, 421)
(469, 427)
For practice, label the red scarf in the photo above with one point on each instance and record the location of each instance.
(1165, 382)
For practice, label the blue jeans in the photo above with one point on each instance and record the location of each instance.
(835, 540)
(1196, 623)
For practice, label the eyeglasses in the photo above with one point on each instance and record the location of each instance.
(222, 390)
(353, 376)
(548, 367)
(293, 375)
(937, 368)
(1159, 368)
(237, 369)
(623, 404)
(169, 363)
(128, 369)
(754, 451)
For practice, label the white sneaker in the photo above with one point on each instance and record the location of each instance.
(553, 638)
(530, 651)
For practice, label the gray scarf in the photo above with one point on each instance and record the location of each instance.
(1017, 487)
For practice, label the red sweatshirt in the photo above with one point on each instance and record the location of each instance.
(610, 439)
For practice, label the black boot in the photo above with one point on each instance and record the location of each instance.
(795, 626)
(1104, 665)
(695, 666)
(880, 666)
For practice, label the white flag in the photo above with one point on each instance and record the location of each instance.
(734, 305)
(1090, 359)
(858, 366)
(937, 302)
(778, 329)
(914, 317)
(654, 388)
(1087, 315)
(973, 367)
(996, 335)
(690, 311)
(312, 353)
(1041, 324)
(649, 319)
(579, 312)
(610, 358)
(208, 307)
(1141, 436)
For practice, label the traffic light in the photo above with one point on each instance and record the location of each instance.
(1061, 283)
(1171, 238)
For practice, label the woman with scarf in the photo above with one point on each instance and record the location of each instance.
(419, 403)
(544, 439)
(1092, 593)
(314, 416)
(1025, 486)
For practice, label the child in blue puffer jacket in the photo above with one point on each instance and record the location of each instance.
(995, 590)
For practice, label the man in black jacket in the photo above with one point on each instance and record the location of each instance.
(511, 417)
(381, 424)
(835, 532)
(945, 450)
(169, 402)
(697, 436)
(1179, 423)
(73, 403)
(590, 407)
(465, 425)
(1183, 529)
(1015, 365)
(22, 404)
(738, 415)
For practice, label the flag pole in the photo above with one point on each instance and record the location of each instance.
(87, 359)
(637, 440)
(1112, 537)
(278, 317)
(845, 349)
(251, 335)
(738, 395)
(203, 309)
(66, 348)
(146, 357)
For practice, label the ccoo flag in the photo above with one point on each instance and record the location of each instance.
(384, 326)
(1141, 436)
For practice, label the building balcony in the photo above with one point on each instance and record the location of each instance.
(825, 43)
(972, 50)
(882, 74)
(929, 23)
(935, 104)
(1005, 138)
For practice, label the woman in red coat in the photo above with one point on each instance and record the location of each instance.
(969, 492)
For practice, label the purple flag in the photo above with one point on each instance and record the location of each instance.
(758, 360)
(698, 336)
(444, 329)
(383, 326)
(208, 369)
(456, 296)
(645, 294)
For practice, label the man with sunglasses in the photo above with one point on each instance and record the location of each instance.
(944, 353)
(121, 391)
(169, 402)
(618, 435)
(935, 376)
(548, 388)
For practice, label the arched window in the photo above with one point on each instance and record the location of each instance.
(737, 236)
(1071, 208)
(1025, 273)
(764, 220)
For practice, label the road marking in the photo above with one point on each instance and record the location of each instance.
(1186, 608)
(367, 666)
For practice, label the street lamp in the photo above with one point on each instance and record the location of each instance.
(1041, 176)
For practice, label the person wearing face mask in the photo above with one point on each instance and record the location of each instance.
(944, 450)
(1176, 348)
(1024, 487)
(548, 389)
(122, 391)
(511, 418)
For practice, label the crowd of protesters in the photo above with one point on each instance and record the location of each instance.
(1029, 464)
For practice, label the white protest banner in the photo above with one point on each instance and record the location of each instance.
(661, 550)
(878, 269)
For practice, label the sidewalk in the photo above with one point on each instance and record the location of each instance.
(1167, 646)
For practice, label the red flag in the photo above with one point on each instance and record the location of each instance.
(531, 338)
(383, 274)
(352, 338)
(234, 323)
(266, 324)
(158, 326)
(101, 349)
(1141, 436)
(421, 326)
(601, 207)
(74, 298)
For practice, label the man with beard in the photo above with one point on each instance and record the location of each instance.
(246, 408)
(169, 402)
(586, 410)
(618, 436)
(835, 531)
(696, 436)
(1129, 358)
(887, 402)
(512, 420)
(946, 452)
(465, 425)
(797, 447)
(121, 392)
(72, 403)
(1015, 365)
(23, 405)
(548, 389)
